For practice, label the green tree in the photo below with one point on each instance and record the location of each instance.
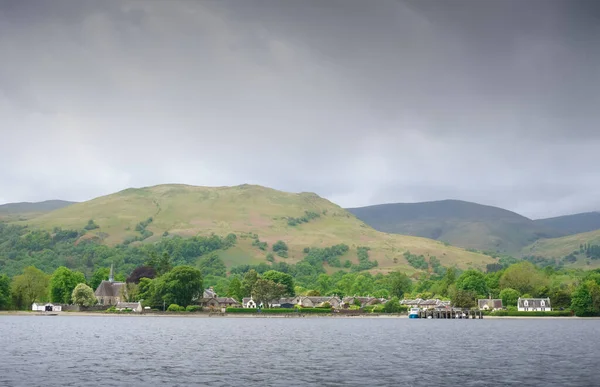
(101, 274)
(5, 296)
(266, 291)
(463, 298)
(509, 297)
(586, 299)
(392, 306)
(83, 295)
(30, 287)
(324, 283)
(62, 283)
(235, 289)
(399, 284)
(523, 277)
(283, 279)
(162, 264)
(248, 282)
(212, 265)
(280, 246)
(181, 285)
(472, 281)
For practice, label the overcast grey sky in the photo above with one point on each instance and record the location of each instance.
(362, 102)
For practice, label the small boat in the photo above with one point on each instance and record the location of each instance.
(414, 313)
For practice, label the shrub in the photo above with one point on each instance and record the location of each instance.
(280, 246)
(175, 308)
(279, 310)
(270, 258)
(193, 308)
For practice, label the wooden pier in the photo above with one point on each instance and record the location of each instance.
(451, 313)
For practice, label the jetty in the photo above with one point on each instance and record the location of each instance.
(451, 313)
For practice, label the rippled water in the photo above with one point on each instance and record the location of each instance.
(178, 351)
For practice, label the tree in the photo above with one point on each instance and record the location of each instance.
(248, 282)
(30, 287)
(324, 283)
(141, 272)
(5, 296)
(235, 289)
(313, 293)
(283, 279)
(472, 281)
(280, 246)
(181, 285)
(99, 275)
(399, 284)
(62, 283)
(83, 295)
(523, 277)
(392, 306)
(509, 297)
(212, 265)
(266, 291)
(162, 264)
(462, 298)
(586, 299)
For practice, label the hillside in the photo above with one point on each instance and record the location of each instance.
(246, 210)
(573, 247)
(572, 224)
(460, 223)
(27, 210)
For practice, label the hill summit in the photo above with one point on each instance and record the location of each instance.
(258, 215)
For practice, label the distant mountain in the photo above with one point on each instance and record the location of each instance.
(26, 210)
(460, 223)
(25, 207)
(572, 224)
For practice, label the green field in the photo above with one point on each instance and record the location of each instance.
(245, 210)
(561, 247)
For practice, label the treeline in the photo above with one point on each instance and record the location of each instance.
(21, 247)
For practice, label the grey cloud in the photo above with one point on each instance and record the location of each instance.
(404, 101)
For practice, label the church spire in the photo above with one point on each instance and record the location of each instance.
(111, 277)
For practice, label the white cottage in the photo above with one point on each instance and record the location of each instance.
(134, 306)
(534, 305)
(47, 307)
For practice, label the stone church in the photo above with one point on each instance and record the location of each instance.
(110, 292)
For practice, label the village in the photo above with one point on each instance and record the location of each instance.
(112, 294)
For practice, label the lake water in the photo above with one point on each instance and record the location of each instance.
(179, 351)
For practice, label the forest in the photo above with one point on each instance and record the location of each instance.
(47, 266)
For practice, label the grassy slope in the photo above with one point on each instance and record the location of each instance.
(189, 211)
(464, 224)
(560, 247)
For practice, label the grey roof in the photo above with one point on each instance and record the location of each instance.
(109, 289)
(534, 302)
(130, 305)
(209, 293)
(492, 303)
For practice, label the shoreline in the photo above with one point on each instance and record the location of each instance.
(291, 315)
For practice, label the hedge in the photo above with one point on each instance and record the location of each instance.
(193, 308)
(514, 313)
(278, 310)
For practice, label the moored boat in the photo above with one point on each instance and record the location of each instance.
(414, 313)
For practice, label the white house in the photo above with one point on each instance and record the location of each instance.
(47, 307)
(248, 302)
(533, 305)
(134, 306)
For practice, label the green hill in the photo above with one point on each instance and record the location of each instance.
(301, 220)
(28, 210)
(460, 223)
(579, 250)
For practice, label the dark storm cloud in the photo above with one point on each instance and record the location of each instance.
(361, 102)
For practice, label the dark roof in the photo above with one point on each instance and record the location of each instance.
(493, 303)
(109, 289)
(534, 302)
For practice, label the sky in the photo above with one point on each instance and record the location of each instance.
(361, 102)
